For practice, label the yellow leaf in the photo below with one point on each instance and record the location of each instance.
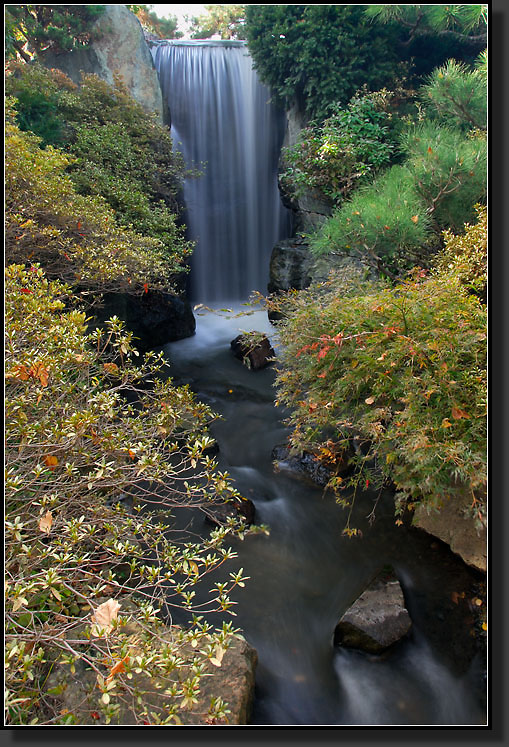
(484, 626)
(478, 602)
(415, 218)
(104, 616)
(46, 522)
(369, 400)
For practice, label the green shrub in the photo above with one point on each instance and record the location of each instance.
(465, 255)
(385, 224)
(321, 54)
(333, 158)
(120, 152)
(405, 369)
(84, 429)
(449, 169)
(75, 238)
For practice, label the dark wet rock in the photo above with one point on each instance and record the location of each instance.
(307, 465)
(377, 619)
(218, 514)
(290, 266)
(253, 349)
(155, 318)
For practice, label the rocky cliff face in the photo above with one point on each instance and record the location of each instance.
(120, 49)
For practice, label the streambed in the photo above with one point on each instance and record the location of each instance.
(304, 575)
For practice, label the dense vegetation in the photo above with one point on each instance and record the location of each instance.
(322, 55)
(118, 152)
(397, 363)
(99, 451)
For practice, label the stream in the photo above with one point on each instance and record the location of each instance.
(305, 574)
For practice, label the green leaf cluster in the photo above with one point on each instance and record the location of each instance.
(32, 29)
(396, 221)
(404, 370)
(319, 55)
(350, 145)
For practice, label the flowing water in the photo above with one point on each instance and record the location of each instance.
(305, 574)
(222, 119)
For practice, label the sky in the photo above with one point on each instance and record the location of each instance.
(163, 11)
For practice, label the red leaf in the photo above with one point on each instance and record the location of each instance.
(323, 352)
(25, 290)
(145, 285)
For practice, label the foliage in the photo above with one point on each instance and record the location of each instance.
(75, 238)
(402, 368)
(395, 222)
(352, 144)
(32, 29)
(164, 28)
(449, 170)
(465, 255)
(120, 152)
(457, 94)
(98, 452)
(226, 21)
(384, 224)
(318, 55)
(465, 21)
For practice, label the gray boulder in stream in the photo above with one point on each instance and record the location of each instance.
(377, 619)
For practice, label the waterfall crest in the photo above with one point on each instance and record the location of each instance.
(221, 116)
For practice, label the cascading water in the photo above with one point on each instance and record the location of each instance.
(221, 116)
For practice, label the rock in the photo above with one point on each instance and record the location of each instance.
(377, 619)
(120, 48)
(218, 514)
(253, 349)
(451, 525)
(290, 266)
(307, 465)
(234, 682)
(155, 318)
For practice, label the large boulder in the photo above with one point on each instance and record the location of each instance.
(155, 317)
(290, 266)
(377, 619)
(453, 525)
(233, 681)
(120, 48)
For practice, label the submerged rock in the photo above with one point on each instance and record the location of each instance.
(253, 349)
(377, 619)
(307, 465)
(218, 514)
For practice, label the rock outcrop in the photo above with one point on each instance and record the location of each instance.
(120, 48)
(307, 465)
(451, 525)
(377, 619)
(154, 318)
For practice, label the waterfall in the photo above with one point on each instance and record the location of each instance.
(221, 117)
